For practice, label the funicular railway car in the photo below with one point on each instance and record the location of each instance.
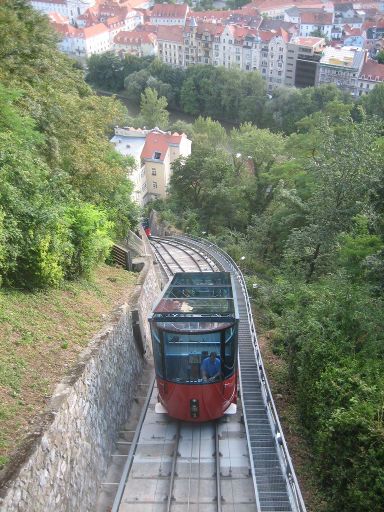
(194, 329)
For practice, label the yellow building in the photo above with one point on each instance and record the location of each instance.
(153, 151)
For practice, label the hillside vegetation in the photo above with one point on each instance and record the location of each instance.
(64, 193)
(42, 334)
(64, 196)
(303, 214)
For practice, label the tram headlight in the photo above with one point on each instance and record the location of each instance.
(194, 408)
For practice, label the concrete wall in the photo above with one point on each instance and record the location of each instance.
(70, 455)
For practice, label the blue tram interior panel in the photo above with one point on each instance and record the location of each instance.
(196, 315)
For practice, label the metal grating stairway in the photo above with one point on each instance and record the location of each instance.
(275, 482)
(270, 483)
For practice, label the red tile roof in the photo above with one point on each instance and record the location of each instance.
(92, 31)
(157, 142)
(316, 18)
(373, 69)
(170, 10)
(56, 17)
(348, 31)
(134, 37)
(307, 41)
(173, 34)
(371, 24)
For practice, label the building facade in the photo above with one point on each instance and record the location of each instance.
(153, 151)
(303, 57)
(341, 66)
(169, 14)
(371, 74)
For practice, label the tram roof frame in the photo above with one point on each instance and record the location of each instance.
(185, 316)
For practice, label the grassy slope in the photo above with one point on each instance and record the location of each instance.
(41, 335)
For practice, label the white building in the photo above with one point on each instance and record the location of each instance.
(371, 74)
(136, 42)
(153, 151)
(318, 22)
(72, 9)
(84, 42)
(341, 66)
(169, 14)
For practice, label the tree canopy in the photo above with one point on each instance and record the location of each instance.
(60, 176)
(304, 211)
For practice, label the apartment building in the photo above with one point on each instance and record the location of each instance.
(302, 63)
(169, 14)
(171, 45)
(83, 42)
(153, 151)
(371, 74)
(341, 66)
(71, 9)
(136, 42)
(318, 22)
(202, 42)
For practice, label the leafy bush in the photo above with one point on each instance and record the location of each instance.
(90, 236)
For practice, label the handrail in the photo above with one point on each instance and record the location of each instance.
(293, 484)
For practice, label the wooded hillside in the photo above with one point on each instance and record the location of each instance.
(63, 192)
(302, 212)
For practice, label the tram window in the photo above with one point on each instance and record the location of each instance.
(157, 355)
(183, 357)
(229, 351)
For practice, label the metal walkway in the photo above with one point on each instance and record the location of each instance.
(276, 486)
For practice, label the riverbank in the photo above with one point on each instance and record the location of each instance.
(174, 115)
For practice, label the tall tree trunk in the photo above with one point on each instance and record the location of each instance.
(312, 265)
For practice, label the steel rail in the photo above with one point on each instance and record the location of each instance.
(291, 479)
(162, 245)
(201, 255)
(180, 247)
(164, 265)
(173, 468)
(218, 473)
(132, 450)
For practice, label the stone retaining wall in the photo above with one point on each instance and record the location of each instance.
(70, 457)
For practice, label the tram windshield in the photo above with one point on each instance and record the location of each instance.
(181, 347)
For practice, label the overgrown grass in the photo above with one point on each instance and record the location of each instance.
(41, 335)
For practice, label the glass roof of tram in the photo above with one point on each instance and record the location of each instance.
(198, 295)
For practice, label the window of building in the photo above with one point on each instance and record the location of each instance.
(154, 184)
(153, 172)
(157, 155)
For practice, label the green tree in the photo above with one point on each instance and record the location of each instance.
(374, 101)
(380, 57)
(210, 133)
(263, 146)
(106, 71)
(344, 170)
(153, 109)
(54, 153)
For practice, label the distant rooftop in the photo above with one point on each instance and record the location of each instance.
(309, 41)
(346, 57)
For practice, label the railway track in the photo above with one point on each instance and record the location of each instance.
(183, 467)
(237, 464)
(176, 256)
